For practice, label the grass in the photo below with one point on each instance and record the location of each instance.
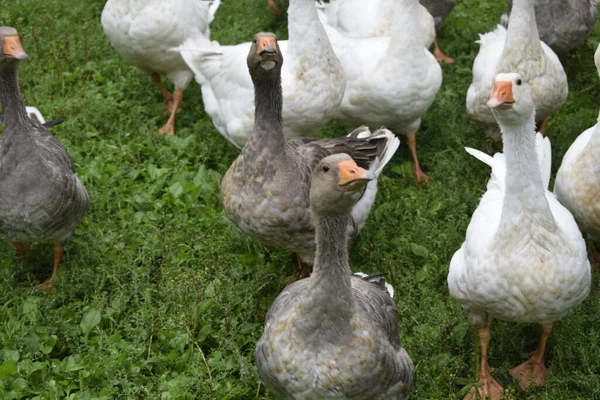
(160, 297)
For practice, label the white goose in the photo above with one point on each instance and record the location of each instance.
(517, 49)
(578, 179)
(312, 79)
(354, 19)
(390, 81)
(524, 259)
(145, 32)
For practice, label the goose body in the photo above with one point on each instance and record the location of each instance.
(333, 335)
(41, 198)
(390, 81)
(524, 259)
(516, 50)
(577, 183)
(265, 191)
(562, 24)
(354, 19)
(312, 78)
(147, 32)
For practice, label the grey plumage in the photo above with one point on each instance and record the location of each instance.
(562, 24)
(333, 335)
(40, 196)
(265, 191)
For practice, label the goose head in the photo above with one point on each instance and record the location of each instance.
(264, 58)
(10, 43)
(337, 183)
(511, 101)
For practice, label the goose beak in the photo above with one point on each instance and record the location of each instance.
(13, 48)
(353, 177)
(502, 96)
(267, 48)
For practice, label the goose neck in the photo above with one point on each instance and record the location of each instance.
(330, 306)
(306, 34)
(407, 31)
(267, 134)
(525, 196)
(522, 36)
(13, 109)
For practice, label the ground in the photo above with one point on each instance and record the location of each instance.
(160, 297)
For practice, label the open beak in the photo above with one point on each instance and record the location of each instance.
(267, 48)
(502, 96)
(353, 177)
(13, 48)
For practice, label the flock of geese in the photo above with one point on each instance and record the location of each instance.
(334, 334)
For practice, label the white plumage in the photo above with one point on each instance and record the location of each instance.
(312, 79)
(390, 81)
(578, 178)
(146, 32)
(524, 259)
(516, 50)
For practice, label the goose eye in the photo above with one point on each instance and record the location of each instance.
(519, 82)
(325, 168)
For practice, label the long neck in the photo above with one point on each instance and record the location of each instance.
(330, 306)
(307, 37)
(407, 32)
(525, 200)
(13, 109)
(267, 135)
(522, 37)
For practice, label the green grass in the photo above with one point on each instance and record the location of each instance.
(159, 296)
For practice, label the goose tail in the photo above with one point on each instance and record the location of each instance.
(378, 280)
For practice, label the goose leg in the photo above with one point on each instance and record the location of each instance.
(304, 270)
(48, 285)
(23, 249)
(169, 127)
(533, 371)
(273, 6)
(543, 126)
(167, 96)
(489, 388)
(411, 140)
(439, 55)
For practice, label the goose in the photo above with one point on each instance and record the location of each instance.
(517, 49)
(313, 79)
(390, 81)
(577, 184)
(146, 32)
(41, 198)
(334, 335)
(353, 19)
(524, 259)
(562, 24)
(265, 191)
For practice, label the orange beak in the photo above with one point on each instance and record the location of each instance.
(12, 47)
(352, 177)
(502, 96)
(267, 47)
